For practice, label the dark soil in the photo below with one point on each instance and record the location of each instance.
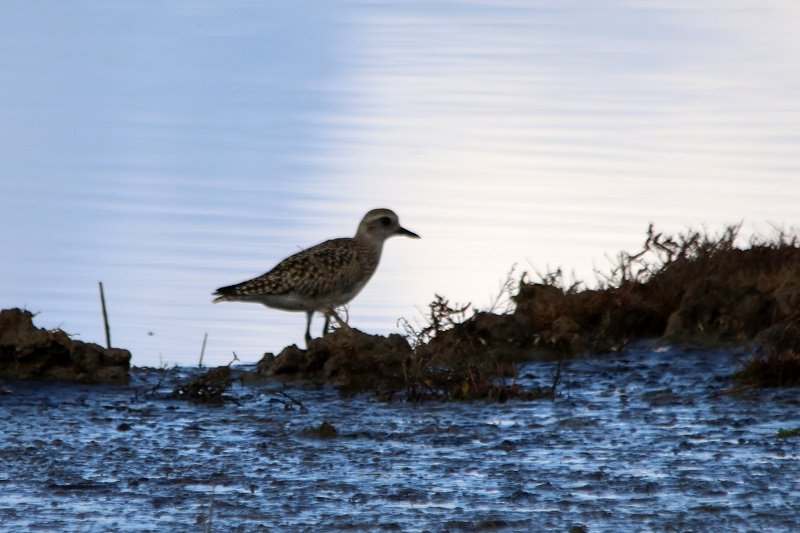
(30, 352)
(208, 387)
(454, 366)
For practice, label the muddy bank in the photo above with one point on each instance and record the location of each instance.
(388, 366)
(690, 290)
(30, 352)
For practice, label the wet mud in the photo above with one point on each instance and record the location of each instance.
(646, 440)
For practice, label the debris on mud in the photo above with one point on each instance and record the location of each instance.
(28, 352)
(776, 362)
(788, 433)
(208, 387)
(770, 369)
(325, 430)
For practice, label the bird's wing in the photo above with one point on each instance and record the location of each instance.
(328, 268)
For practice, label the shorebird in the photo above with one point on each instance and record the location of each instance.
(323, 277)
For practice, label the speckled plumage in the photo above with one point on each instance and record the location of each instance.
(324, 276)
(324, 273)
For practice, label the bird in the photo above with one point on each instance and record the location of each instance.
(322, 277)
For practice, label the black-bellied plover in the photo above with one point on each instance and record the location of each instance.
(324, 276)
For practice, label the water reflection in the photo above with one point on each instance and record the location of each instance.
(168, 150)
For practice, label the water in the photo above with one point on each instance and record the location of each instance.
(169, 149)
(642, 442)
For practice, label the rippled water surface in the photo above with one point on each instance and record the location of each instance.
(171, 148)
(643, 441)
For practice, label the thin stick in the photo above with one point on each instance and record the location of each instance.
(556, 379)
(294, 401)
(105, 315)
(208, 524)
(203, 350)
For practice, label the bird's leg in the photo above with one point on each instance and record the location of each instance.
(327, 325)
(309, 316)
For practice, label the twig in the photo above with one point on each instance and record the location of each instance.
(556, 378)
(145, 390)
(209, 521)
(105, 315)
(735, 390)
(294, 401)
(203, 350)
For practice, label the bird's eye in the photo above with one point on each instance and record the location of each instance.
(386, 221)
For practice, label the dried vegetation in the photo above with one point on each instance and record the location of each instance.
(690, 289)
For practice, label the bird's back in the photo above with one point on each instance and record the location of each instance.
(330, 273)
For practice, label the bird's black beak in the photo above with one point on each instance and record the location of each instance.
(403, 231)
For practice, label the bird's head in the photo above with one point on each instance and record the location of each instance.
(380, 224)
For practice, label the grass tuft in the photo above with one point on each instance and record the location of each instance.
(771, 370)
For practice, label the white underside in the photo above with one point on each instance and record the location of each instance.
(294, 302)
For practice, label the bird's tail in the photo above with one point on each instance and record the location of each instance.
(224, 294)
